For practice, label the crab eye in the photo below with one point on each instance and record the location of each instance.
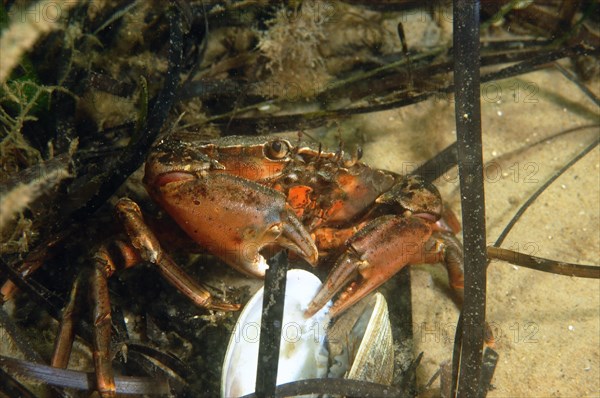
(276, 150)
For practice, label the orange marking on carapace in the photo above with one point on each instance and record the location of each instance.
(299, 196)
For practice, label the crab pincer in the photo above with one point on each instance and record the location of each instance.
(378, 251)
(388, 243)
(233, 218)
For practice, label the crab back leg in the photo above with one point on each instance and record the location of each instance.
(63, 344)
(95, 282)
(102, 323)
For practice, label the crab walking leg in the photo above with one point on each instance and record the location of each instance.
(377, 252)
(445, 248)
(99, 301)
(144, 240)
(102, 323)
(63, 344)
(31, 263)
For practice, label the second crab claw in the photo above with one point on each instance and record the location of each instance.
(233, 218)
(377, 252)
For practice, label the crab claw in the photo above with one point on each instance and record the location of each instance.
(377, 252)
(233, 218)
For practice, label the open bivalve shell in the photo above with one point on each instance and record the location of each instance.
(362, 337)
(359, 342)
(303, 354)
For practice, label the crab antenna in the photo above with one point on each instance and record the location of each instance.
(340, 152)
(304, 133)
(297, 148)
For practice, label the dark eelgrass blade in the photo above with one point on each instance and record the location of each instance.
(488, 365)
(12, 388)
(547, 139)
(401, 306)
(409, 376)
(532, 61)
(456, 349)
(110, 182)
(24, 346)
(43, 297)
(544, 264)
(340, 387)
(136, 152)
(438, 165)
(587, 271)
(82, 380)
(470, 164)
(154, 369)
(573, 78)
(37, 292)
(271, 325)
(538, 62)
(118, 14)
(174, 364)
(537, 193)
(16, 335)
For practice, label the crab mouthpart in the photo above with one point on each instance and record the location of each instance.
(174, 176)
(289, 234)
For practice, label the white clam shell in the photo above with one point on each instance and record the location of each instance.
(302, 340)
(362, 336)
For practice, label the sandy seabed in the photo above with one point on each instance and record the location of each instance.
(546, 326)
